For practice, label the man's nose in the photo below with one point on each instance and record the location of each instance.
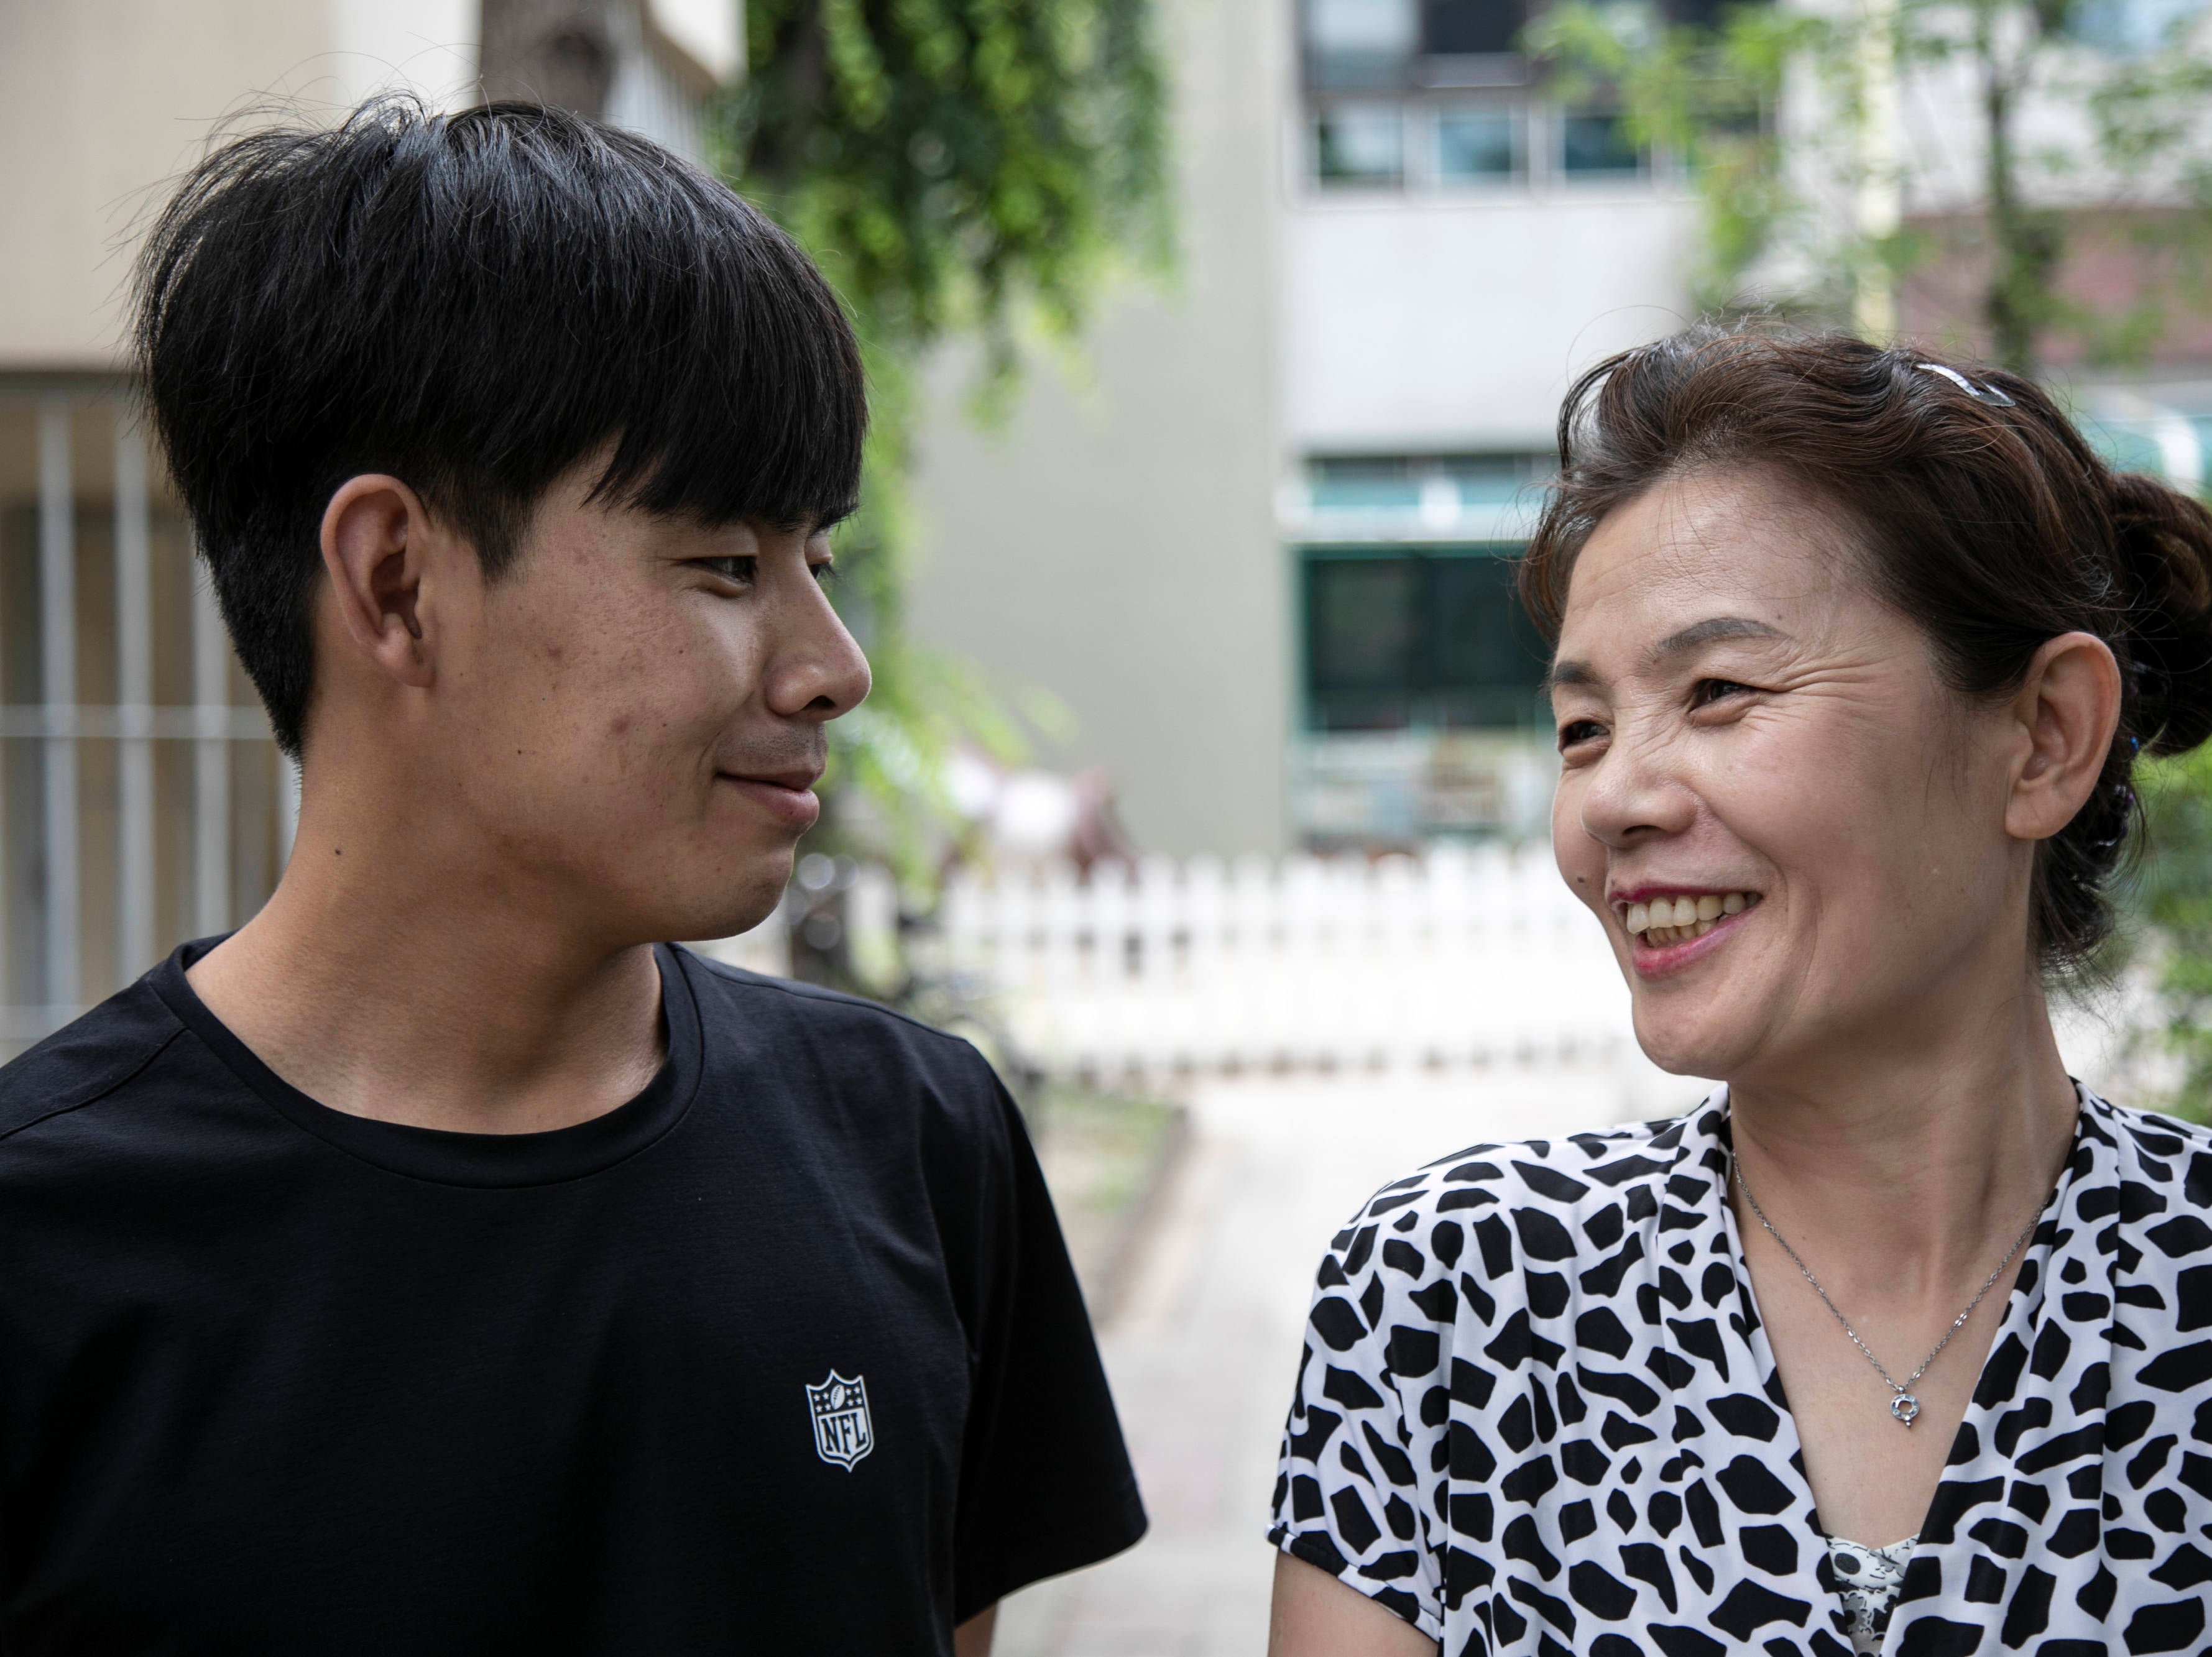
(817, 669)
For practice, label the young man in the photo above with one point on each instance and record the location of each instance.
(441, 1263)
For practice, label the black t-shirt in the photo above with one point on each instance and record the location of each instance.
(783, 1356)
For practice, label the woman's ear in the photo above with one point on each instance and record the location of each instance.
(2068, 709)
(376, 541)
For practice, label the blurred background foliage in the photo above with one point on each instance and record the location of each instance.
(2172, 900)
(978, 171)
(1707, 96)
(1704, 96)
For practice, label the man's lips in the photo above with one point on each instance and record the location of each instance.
(787, 795)
(798, 778)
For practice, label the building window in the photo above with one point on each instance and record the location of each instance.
(1395, 45)
(1387, 483)
(1598, 144)
(1456, 499)
(1358, 44)
(1401, 638)
(1471, 136)
(1493, 480)
(1361, 144)
(1476, 146)
(1460, 27)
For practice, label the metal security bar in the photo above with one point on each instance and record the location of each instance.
(57, 686)
(142, 800)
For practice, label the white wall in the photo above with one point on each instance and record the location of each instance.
(102, 101)
(425, 45)
(1431, 323)
(711, 32)
(647, 96)
(1117, 546)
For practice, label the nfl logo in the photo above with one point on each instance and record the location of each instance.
(843, 1432)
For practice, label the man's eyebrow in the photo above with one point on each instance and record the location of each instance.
(1706, 632)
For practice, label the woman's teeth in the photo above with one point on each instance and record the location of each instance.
(1667, 920)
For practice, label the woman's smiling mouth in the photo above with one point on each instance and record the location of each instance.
(1663, 924)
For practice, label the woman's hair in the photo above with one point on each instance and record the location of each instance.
(1981, 512)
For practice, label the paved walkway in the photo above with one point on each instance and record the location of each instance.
(1203, 1353)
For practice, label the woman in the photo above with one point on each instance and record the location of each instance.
(1899, 1342)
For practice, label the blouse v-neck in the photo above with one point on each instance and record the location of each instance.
(2022, 1301)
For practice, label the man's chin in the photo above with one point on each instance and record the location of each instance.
(736, 907)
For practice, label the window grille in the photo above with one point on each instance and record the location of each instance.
(142, 799)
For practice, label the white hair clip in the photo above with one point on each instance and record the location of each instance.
(1989, 394)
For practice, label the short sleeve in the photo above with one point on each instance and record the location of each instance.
(1045, 1481)
(1358, 1479)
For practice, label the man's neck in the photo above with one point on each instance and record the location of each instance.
(431, 995)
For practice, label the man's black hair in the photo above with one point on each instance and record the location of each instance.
(473, 303)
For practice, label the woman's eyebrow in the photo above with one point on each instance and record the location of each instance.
(1562, 673)
(1689, 638)
(1706, 632)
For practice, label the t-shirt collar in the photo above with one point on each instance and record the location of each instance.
(466, 1159)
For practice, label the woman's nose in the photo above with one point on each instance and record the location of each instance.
(1635, 793)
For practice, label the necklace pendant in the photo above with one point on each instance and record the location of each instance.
(1904, 1406)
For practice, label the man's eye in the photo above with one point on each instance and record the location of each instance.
(825, 573)
(738, 570)
(1578, 731)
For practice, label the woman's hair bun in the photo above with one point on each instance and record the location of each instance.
(2163, 540)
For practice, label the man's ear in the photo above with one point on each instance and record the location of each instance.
(2068, 708)
(377, 540)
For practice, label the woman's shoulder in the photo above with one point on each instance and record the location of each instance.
(1500, 1231)
(1451, 1281)
(2152, 1149)
(2143, 1133)
(1543, 1183)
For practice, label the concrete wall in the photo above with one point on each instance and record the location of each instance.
(1118, 545)
(102, 100)
(1435, 323)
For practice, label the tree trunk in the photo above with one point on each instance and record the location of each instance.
(2025, 244)
(557, 53)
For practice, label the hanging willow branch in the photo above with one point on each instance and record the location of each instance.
(960, 165)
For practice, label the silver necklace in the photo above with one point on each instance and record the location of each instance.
(1903, 1405)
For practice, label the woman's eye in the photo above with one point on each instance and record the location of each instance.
(1708, 691)
(824, 573)
(1578, 731)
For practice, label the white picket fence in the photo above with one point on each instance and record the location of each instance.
(1473, 957)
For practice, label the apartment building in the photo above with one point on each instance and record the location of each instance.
(1258, 555)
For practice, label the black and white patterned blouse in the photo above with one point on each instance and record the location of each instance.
(1537, 1414)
